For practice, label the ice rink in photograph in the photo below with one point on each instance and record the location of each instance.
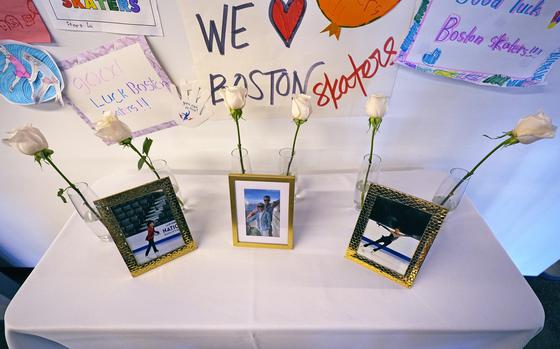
(168, 240)
(396, 256)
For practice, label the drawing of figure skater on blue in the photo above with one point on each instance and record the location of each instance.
(28, 75)
(392, 234)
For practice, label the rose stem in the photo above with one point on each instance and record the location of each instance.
(293, 148)
(148, 162)
(236, 118)
(471, 172)
(48, 159)
(375, 128)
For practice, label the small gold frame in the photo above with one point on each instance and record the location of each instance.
(108, 218)
(233, 179)
(437, 215)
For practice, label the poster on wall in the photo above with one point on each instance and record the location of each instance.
(336, 51)
(140, 17)
(124, 76)
(20, 20)
(507, 43)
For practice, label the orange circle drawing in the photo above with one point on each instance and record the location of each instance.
(353, 13)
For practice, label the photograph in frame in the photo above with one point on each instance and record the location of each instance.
(394, 233)
(262, 210)
(147, 225)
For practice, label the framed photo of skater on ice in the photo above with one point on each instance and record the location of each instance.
(394, 233)
(147, 225)
(262, 210)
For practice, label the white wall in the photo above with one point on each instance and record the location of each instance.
(433, 123)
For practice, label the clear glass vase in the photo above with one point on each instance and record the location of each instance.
(90, 218)
(372, 173)
(236, 163)
(284, 156)
(451, 183)
(163, 169)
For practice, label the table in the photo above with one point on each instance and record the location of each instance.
(468, 293)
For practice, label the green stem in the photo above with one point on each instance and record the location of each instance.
(471, 172)
(239, 144)
(369, 165)
(293, 148)
(147, 159)
(48, 159)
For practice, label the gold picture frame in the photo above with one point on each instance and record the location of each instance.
(407, 223)
(262, 224)
(129, 215)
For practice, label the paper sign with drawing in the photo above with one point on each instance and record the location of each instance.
(277, 48)
(125, 77)
(509, 43)
(115, 16)
(20, 20)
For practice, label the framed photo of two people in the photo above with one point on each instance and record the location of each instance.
(262, 210)
(147, 225)
(394, 233)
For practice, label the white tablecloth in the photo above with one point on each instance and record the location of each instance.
(468, 293)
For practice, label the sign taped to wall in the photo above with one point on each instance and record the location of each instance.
(20, 20)
(140, 17)
(337, 51)
(508, 43)
(125, 77)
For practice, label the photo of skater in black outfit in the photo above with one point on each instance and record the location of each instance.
(392, 234)
(386, 240)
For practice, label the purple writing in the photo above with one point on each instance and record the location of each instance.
(525, 8)
(450, 32)
(119, 99)
(149, 85)
(105, 101)
(495, 4)
(98, 77)
(504, 43)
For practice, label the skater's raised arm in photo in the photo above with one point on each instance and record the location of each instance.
(397, 233)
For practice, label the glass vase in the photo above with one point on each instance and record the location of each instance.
(236, 163)
(284, 156)
(371, 171)
(447, 185)
(85, 212)
(163, 169)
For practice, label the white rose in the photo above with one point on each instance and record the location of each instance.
(28, 140)
(111, 129)
(301, 107)
(376, 106)
(234, 97)
(534, 127)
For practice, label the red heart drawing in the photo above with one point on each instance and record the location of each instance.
(286, 18)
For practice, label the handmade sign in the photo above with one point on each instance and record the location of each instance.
(278, 48)
(114, 16)
(125, 77)
(196, 99)
(20, 20)
(509, 43)
(28, 75)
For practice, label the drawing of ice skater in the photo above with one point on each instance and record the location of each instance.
(48, 79)
(20, 72)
